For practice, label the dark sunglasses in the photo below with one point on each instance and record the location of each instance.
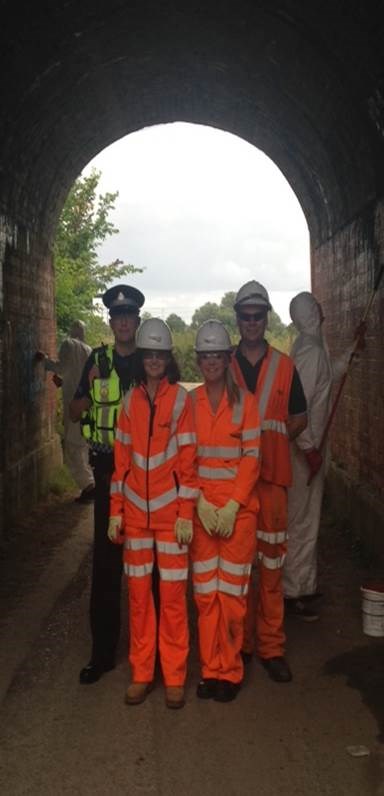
(252, 316)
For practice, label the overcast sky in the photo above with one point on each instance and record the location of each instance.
(203, 212)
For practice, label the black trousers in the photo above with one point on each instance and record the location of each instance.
(106, 570)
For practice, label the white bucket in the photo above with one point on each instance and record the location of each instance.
(373, 609)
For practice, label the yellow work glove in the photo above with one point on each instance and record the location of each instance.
(183, 530)
(207, 514)
(226, 518)
(115, 530)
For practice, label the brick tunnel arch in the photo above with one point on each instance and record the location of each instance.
(303, 84)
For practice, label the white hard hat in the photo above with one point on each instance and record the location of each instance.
(252, 293)
(212, 336)
(154, 334)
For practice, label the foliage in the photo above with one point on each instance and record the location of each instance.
(83, 226)
(175, 323)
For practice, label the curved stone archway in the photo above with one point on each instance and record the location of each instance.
(303, 82)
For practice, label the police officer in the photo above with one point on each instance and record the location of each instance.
(107, 375)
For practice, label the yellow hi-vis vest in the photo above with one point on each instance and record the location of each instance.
(99, 422)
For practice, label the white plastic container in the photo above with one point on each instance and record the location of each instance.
(373, 609)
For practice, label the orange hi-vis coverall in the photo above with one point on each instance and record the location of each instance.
(267, 612)
(153, 484)
(228, 467)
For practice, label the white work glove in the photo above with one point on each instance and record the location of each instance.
(226, 518)
(207, 514)
(115, 530)
(183, 530)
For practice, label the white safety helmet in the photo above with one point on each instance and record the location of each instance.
(252, 293)
(212, 336)
(155, 335)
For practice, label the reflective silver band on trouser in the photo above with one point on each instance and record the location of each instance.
(154, 504)
(171, 548)
(138, 570)
(275, 425)
(276, 537)
(126, 439)
(218, 562)
(173, 574)
(217, 473)
(218, 584)
(205, 566)
(219, 452)
(271, 563)
(139, 544)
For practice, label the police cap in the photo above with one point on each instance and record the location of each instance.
(123, 299)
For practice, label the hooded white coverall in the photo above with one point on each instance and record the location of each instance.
(317, 373)
(73, 355)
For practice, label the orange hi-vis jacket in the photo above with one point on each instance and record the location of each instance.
(272, 394)
(228, 448)
(155, 480)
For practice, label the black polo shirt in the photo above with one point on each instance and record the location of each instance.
(297, 404)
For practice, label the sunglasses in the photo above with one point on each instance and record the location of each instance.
(161, 355)
(252, 316)
(212, 355)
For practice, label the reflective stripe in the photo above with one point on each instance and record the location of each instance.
(126, 439)
(189, 492)
(274, 425)
(234, 569)
(173, 574)
(271, 563)
(205, 566)
(158, 459)
(116, 486)
(155, 503)
(272, 538)
(172, 548)
(138, 544)
(217, 473)
(250, 433)
(103, 426)
(255, 452)
(188, 438)
(178, 407)
(127, 400)
(238, 590)
(238, 409)
(217, 452)
(205, 588)
(139, 571)
(267, 386)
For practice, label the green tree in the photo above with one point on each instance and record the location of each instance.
(83, 226)
(175, 323)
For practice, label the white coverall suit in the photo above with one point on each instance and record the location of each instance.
(73, 355)
(311, 357)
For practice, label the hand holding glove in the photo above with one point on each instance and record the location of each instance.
(115, 530)
(314, 461)
(226, 518)
(183, 530)
(207, 514)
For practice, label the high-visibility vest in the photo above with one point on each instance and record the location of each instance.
(99, 422)
(228, 447)
(155, 479)
(272, 394)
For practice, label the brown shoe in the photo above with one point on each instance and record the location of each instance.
(136, 693)
(174, 697)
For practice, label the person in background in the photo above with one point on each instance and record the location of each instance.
(224, 541)
(67, 369)
(317, 373)
(271, 376)
(153, 493)
(107, 375)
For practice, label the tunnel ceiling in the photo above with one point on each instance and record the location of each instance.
(301, 81)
